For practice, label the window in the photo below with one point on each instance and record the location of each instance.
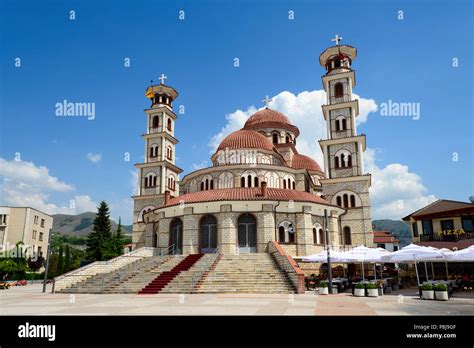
(255, 181)
(338, 90)
(226, 180)
(315, 236)
(347, 235)
(346, 200)
(349, 160)
(381, 245)
(427, 226)
(242, 182)
(42, 222)
(281, 234)
(169, 153)
(338, 127)
(414, 227)
(287, 139)
(171, 183)
(467, 223)
(275, 138)
(41, 236)
(322, 236)
(202, 186)
(36, 220)
(145, 210)
(344, 124)
(40, 251)
(286, 232)
(336, 160)
(154, 150)
(155, 122)
(169, 124)
(339, 201)
(272, 180)
(150, 180)
(294, 185)
(353, 201)
(34, 234)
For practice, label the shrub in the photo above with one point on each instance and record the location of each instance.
(371, 286)
(360, 286)
(426, 287)
(323, 284)
(441, 287)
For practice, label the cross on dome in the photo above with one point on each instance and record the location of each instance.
(337, 39)
(267, 100)
(162, 78)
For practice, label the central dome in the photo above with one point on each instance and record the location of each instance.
(268, 118)
(267, 115)
(245, 139)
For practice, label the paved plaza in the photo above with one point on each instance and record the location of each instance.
(29, 300)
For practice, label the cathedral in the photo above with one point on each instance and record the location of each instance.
(259, 188)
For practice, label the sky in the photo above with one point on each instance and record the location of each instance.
(408, 52)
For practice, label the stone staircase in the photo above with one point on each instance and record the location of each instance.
(246, 273)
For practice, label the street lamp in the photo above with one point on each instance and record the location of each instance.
(328, 250)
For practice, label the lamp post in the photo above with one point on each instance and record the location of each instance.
(48, 255)
(326, 224)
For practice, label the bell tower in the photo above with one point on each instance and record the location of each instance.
(346, 184)
(158, 173)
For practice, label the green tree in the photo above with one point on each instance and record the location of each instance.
(67, 260)
(60, 265)
(98, 241)
(114, 246)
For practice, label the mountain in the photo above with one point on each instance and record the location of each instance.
(80, 225)
(397, 227)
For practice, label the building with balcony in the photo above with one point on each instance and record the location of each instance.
(386, 240)
(443, 224)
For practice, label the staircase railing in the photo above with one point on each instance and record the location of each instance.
(167, 250)
(204, 267)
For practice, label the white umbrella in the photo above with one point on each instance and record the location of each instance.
(414, 253)
(447, 253)
(462, 255)
(363, 254)
(322, 256)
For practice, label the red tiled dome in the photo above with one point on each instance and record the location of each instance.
(305, 162)
(268, 118)
(245, 139)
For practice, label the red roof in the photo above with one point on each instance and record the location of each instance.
(305, 162)
(460, 244)
(246, 194)
(245, 139)
(384, 237)
(268, 118)
(441, 206)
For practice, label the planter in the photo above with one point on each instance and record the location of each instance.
(359, 292)
(441, 295)
(372, 292)
(427, 294)
(323, 291)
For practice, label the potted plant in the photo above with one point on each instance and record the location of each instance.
(372, 290)
(441, 292)
(427, 292)
(359, 290)
(395, 283)
(323, 288)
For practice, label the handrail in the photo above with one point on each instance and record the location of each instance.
(167, 250)
(203, 268)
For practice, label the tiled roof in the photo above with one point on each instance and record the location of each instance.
(440, 206)
(247, 194)
(384, 237)
(460, 244)
(268, 118)
(305, 162)
(245, 139)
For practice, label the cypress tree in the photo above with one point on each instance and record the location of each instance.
(119, 239)
(67, 262)
(60, 265)
(99, 239)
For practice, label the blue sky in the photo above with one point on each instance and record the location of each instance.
(81, 60)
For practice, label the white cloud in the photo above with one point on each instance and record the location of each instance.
(94, 157)
(197, 166)
(395, 191)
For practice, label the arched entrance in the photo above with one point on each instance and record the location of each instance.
(176, 235)
(247, 234)
(208, 234)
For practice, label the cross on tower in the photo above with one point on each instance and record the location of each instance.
(337, 39)
(267, 100)
(162, 78)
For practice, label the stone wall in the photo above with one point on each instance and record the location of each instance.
(289, 266)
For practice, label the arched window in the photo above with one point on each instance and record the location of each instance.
(346, 200)
(154, 150)
(275, 138)
(284, 183)
(242, 181)
(207, 184)
(322, 236)
(272, 180)
(343, 160)
(338, 89)
(226, 180)
(155, 122)
(344, 124)
(176, 235)
(249, 181)
(255, 181)
(143, 211)
(171, 183)
(294, 185)
(286, 232)
(349, 160)
(338, 127)
(208, 234)
(202, 186)
(169, 124)
(347, 235)
(336, 162)
(338, 201)
(353, 201)
(212, 184)
(150, 180)
(169, 153)
(315, 236)
(281, 234)
(287, 139)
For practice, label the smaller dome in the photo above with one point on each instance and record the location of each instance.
(304, 162)
(265, 116)
(245, 139)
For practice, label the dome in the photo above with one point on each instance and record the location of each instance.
(305, 162)
(268, 118)
(245, 139)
